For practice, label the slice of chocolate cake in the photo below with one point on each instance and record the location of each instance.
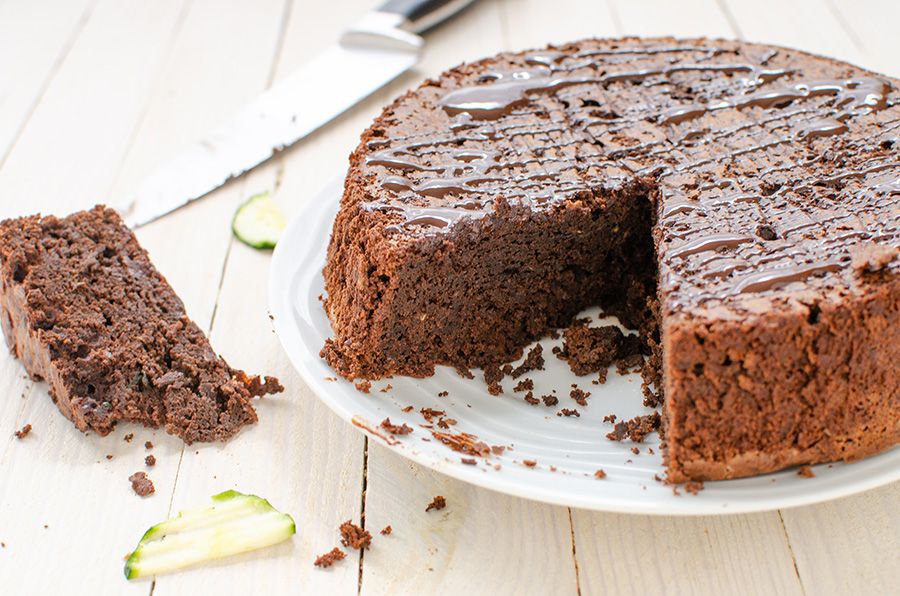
(84, 309)
(739, 202)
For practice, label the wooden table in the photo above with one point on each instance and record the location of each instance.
(95, 93)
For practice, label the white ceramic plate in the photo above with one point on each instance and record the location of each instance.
(567, 450)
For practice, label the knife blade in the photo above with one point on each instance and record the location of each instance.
(377, 49)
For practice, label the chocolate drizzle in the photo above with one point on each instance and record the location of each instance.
(766, 280)
(489, 102)
(710, 242)
(733, 137)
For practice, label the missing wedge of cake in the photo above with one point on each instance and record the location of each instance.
(84, 309)
(739, 203)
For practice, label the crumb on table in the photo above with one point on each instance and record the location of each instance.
(330, 558)
(141, 484)
(355, 536)
(437, 503)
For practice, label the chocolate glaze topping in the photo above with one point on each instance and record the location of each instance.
(734, 137)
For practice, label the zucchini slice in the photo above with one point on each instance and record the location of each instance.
(258, 222)
(234, 523)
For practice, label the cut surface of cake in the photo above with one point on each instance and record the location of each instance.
(737, 202)
(84, 309)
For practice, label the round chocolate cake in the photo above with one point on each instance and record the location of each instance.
(739, 203)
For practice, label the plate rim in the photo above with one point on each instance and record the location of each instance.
(280, 305)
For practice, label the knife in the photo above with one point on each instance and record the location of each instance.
(374, 51)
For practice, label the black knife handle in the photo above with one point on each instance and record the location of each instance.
(422, 15)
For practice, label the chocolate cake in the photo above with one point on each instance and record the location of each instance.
(83, 308)
(738, 203)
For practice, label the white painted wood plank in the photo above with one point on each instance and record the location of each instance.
(313, 461)
(872, 25)
(72, 145)
(57, 477)
(802, 24)
(34, 40)
(480, 543)
(849, 546)
(685, 18)
(299, 456)
(630, 554)
(537, 23)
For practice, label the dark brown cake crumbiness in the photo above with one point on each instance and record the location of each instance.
(84, 309)
(590, 349)
(330, 558)
(482, 210)
(23, 432)
(636, 429)
(354, 536)
(437, 503)
(141, 484)
(396, 429)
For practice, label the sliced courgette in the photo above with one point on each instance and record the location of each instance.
(234, 523)
(258, 222)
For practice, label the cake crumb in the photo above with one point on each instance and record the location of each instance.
(530, 398)
(141, 484)
(150, 460)
(464, 372)
(363, 386)
(23, 432)
(469, 461)
(498, 449)
(407, 409)
(580, 396)
(463, 443)
(331, 379)
(396, 429)
(109, 456)
(524, 385)
(636, 429)
(148, 445)
(354, 536)
(443, 394)
(550, 400)
(568, 412)
(600, 474)
(693, 487)
(128, 437)
(430, 414)
(533, 361)
(330, 558)
(437, 503)
(611, 418)
(630, 363)
(591, 349)
(529, 462)
(387, 388)
(806, 472)
(635, 450)
(492, 376)
(387, 531)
